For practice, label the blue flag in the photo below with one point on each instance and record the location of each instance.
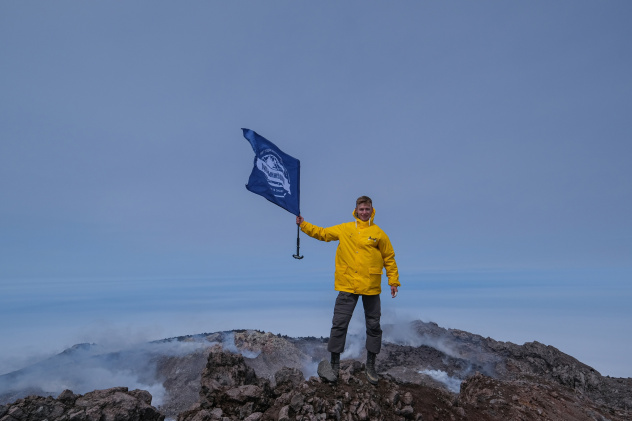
(276, 175)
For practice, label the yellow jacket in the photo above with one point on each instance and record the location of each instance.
(364, 250)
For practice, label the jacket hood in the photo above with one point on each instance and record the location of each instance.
(360, 222)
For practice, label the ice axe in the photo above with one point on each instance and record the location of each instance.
(298, 244)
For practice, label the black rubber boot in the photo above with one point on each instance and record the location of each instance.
(335, 363)
(371, 374)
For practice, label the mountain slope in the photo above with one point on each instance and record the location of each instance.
(445, 369)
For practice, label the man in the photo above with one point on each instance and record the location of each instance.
(363, 251)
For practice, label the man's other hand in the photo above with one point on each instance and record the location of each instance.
(393, 291)
(299, 220)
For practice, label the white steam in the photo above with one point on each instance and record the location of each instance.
(400, 332)
(84, 368)
(228, 343)
(310, 368)
(396, 330)
(452, 383)
(119, 361)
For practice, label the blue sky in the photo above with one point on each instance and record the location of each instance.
(494, 138)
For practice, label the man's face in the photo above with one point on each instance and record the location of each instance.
(364, 210)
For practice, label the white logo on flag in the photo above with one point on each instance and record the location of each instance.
(271, 164)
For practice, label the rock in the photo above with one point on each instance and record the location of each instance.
(142, 395)
(394, 397)
(407, 399)
(288, 378)
(325, 372)
(244, 393)
(229, 384)
(256, 416)
(297, 402)
(504, 398)
(69, 398)
(224, 369)
(407, 411)
(274, 352)
(109, 405)
(284, 413)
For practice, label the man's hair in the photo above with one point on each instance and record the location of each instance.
(364, 199)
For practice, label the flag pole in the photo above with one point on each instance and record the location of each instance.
(298, 243)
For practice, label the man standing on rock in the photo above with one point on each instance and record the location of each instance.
(363, 251)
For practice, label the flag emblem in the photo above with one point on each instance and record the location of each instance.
(271, 164)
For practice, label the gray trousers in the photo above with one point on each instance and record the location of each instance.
(343, 310)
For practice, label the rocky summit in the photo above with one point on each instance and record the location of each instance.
(100, 405)
(426, 373)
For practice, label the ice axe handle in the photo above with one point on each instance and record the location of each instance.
(298, 244)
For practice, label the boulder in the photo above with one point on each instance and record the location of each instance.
(115, 404)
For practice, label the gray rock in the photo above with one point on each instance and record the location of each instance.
(244, 393)
(284, 413)
(255, 416)
(407, 411)
(297, 402)
(291, 377)
(407, 399)
(326, 372)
